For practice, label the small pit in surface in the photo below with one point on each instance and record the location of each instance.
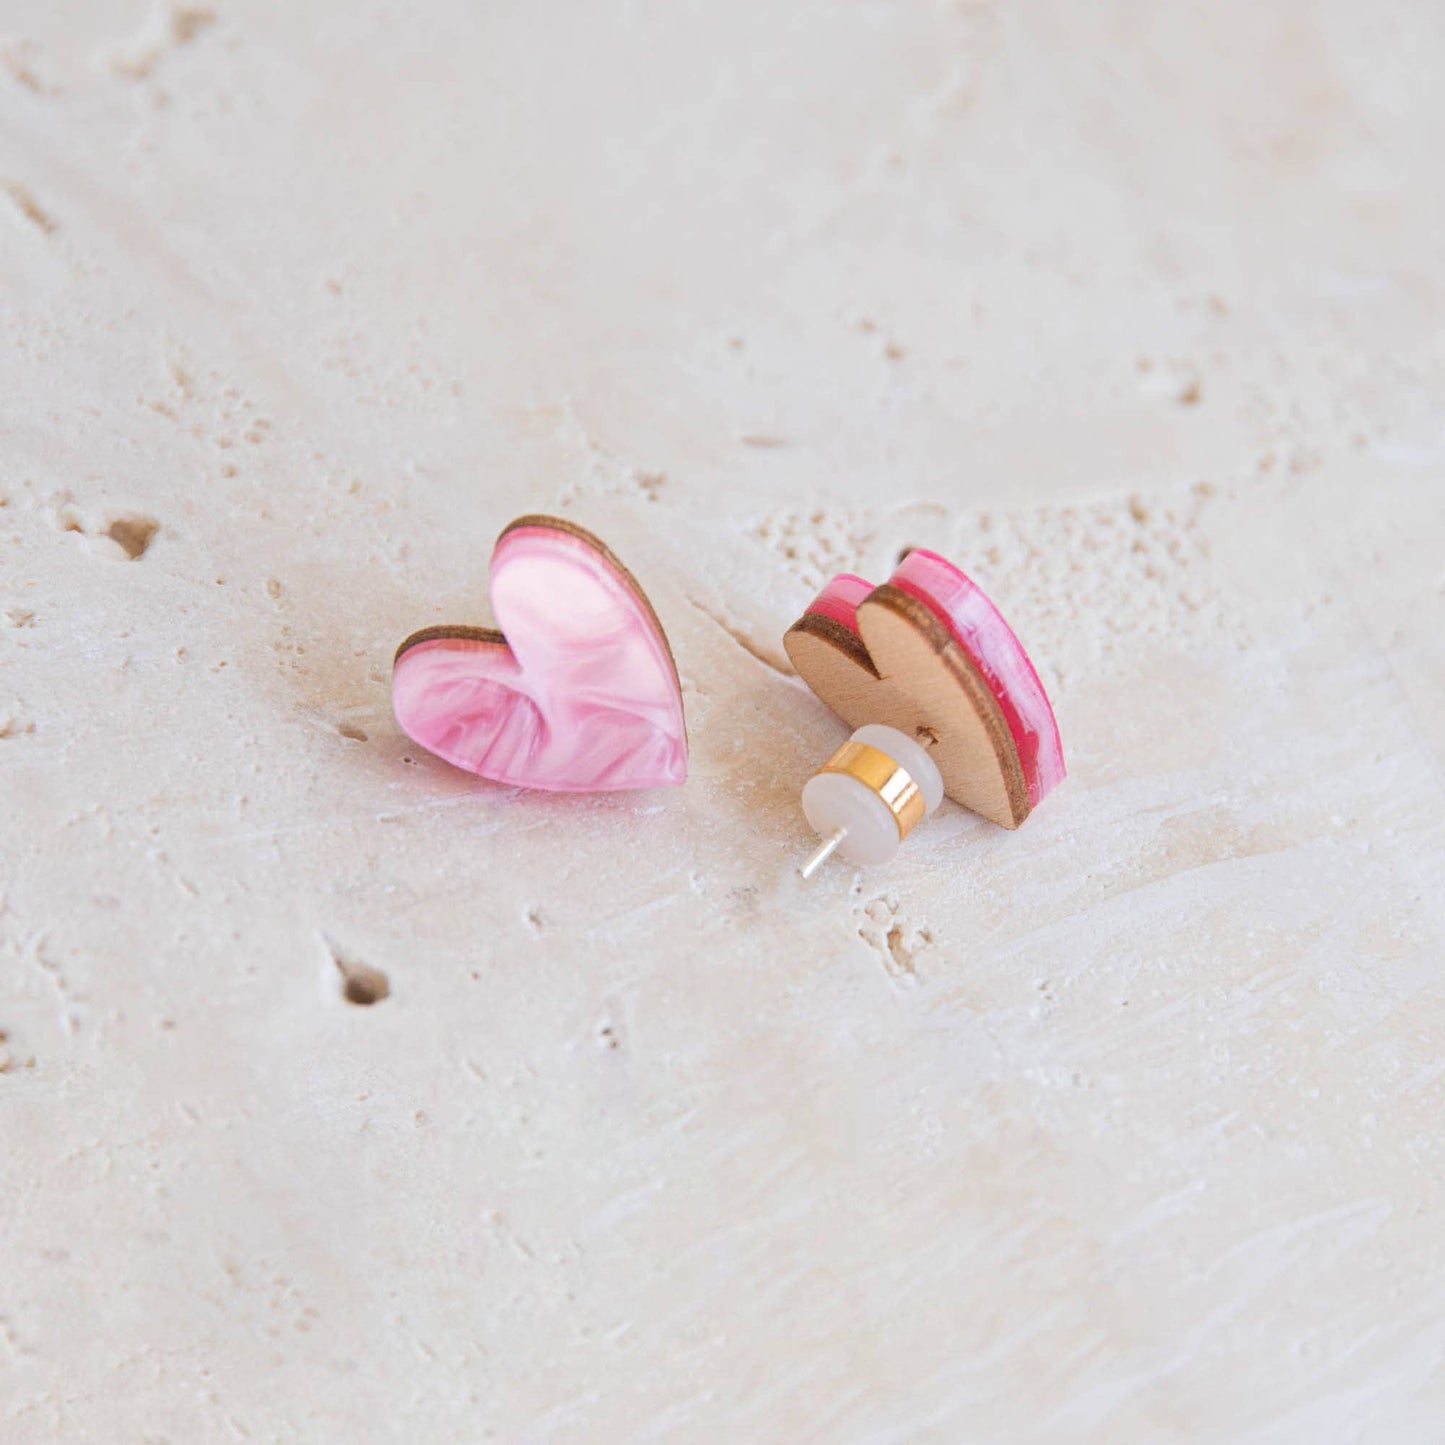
(133, 534)
(365, 986)
(361, 984)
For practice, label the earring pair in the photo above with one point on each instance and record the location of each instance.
(578, 691)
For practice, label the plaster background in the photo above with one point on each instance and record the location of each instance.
(1122, 1128)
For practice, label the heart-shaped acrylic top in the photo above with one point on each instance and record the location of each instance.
(577, 693)
(929, 654)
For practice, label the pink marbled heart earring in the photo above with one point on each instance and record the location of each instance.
(945, 701)
(578, 691)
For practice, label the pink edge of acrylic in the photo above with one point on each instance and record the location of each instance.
(979, 628)
(585, 699)
(840, 599)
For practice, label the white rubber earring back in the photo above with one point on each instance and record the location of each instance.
(869, 796)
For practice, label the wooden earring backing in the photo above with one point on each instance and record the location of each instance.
(945, 702)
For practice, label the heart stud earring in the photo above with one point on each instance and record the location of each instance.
(945, 700)
(577, 693)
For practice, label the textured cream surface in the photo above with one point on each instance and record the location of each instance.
(1123, 1128)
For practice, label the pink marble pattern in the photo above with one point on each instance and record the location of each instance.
(582, 694)
(980, 630)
